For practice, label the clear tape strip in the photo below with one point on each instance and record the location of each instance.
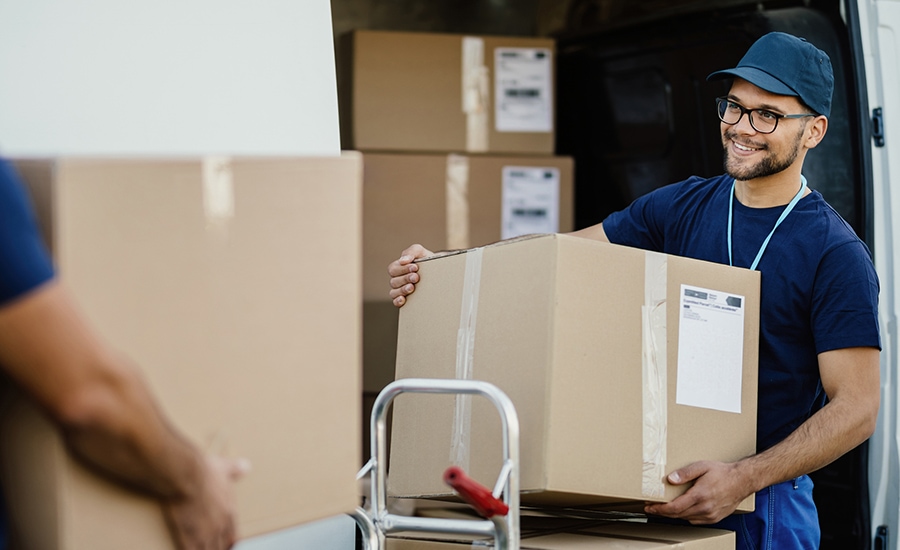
(475, 94)
(465, 352)
(457, 191)
(654, 374)
(218, 190)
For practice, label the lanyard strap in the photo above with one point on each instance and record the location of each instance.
(784, 214)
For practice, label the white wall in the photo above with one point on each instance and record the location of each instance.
(163, 77)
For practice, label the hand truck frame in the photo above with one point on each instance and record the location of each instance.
(503, 518)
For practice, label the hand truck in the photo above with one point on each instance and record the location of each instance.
(502, 521)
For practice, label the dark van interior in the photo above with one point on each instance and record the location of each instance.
(636, 112)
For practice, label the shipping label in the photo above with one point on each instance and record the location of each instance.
(522, 90)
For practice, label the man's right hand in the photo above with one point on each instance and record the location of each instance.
(404, 273)
(204, 519)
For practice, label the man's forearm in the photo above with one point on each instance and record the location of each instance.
(830, 433)
(110, 420)
(99, 401)
(850, 377)
(125, 435)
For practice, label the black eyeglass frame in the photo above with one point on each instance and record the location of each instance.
(749, 113)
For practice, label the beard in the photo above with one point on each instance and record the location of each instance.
(768, 166)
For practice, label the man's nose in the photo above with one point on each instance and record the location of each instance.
(743, 124)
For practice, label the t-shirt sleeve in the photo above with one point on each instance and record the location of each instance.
(845, 300)
(642, 224)
(24, 261)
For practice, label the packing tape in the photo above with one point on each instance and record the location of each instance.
(465, 353)
(457, 190)
(476, 90)
(218, 190)
(654, 374)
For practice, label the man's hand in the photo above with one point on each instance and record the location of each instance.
(404, 273)
(717, 491)
(204, 519)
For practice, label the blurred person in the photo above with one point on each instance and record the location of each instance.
(102, 406)
(819, 367)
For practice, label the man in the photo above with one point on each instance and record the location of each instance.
(100, 402)
(819, 336)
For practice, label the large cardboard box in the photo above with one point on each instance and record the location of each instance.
(203, 271)
(618, 535)
(402, 91)
(447, 202)
(623, 365)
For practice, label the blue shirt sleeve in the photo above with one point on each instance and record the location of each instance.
(845, 300)
(640, 225)
(687, 219)
(24, 261)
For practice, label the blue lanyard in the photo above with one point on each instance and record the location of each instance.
(781, 218)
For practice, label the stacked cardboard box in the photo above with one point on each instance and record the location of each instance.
(623, 365)
(458, 135)
(446, 202)
(206, 273)
(421, 92)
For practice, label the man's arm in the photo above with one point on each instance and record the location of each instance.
(404, 271)
(109, 419)
(594, 232)
(851, 379)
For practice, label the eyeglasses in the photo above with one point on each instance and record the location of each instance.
(761, 120)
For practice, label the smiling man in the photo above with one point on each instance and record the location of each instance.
(819, 342)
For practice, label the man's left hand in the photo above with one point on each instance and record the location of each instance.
(718, 489)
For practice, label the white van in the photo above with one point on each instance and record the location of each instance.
(636, 112)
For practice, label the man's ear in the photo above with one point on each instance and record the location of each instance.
(816, 131)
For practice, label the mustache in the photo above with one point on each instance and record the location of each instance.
(732, 135)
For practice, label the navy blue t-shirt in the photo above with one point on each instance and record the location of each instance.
(819, 288)
(24, 261)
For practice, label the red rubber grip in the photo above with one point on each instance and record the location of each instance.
(477, 495)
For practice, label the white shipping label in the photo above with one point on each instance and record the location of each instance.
(522, 90)
(710, 349)
(530, 201)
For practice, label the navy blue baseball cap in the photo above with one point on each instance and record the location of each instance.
(784, 64)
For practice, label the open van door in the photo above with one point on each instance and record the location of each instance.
(879, 66)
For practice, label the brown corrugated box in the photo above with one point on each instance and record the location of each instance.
(403, 91)
(203, 271)
(618, 535)
(584, 337)
(443, 202)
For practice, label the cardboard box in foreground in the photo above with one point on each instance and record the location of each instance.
(623, 365)
(202, 271)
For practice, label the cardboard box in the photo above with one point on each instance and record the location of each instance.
(402, 91)
(623, 365)
(447, 202)
(202, 272)
(619, 535)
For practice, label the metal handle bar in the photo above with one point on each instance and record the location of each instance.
(504, 529)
